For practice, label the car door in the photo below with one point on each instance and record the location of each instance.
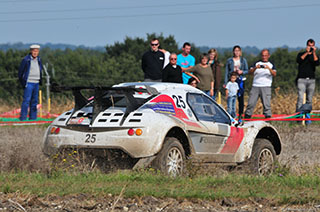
(213, 145)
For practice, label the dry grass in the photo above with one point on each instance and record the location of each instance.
(20, 149)
(280, 104)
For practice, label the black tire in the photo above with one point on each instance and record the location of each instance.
(263, 157)
(171, 158)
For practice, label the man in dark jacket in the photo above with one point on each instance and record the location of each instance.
(306, 82)
(30, 75)
(152, 63)
(172, 72)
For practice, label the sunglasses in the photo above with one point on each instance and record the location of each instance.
(173, 58)
(154, 44)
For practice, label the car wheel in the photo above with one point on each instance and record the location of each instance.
(263, 157)
(171, 158)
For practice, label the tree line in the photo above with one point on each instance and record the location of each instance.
(121, 62)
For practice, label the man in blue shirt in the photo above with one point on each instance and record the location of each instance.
(185, 60)
(30, 74)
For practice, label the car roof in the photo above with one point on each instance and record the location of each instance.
(161, 87)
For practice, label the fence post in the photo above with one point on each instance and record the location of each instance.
(219, 98)
(47, 86)
(304, 101)
(40, 102)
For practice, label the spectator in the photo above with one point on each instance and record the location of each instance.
(186, 60)
(193, 82)
(203, 74)
(172, 72)
(152, 62)
(232, 88)
(306, 83)
(30, 76)
(262, 71)
(216, 70)
(239, 65)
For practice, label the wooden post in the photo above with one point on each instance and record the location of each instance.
(49, 106)
(304, 101)
(40, 102)
(219, 98)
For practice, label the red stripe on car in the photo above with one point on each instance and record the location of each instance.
(234, 140)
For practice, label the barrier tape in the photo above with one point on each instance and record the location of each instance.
(288, 119)
(16, 113)
(10, 123)
(276, 117)
(293, 117)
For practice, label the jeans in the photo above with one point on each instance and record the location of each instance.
(305, 86)
(241, 104)
(231, 105)
(208, 93)
(30, 98)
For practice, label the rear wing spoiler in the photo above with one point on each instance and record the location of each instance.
(100, 103)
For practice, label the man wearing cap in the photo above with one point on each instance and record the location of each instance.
(30, 75)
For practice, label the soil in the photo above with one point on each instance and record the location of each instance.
(20, 149)
(82, 202)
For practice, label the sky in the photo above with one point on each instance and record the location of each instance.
(212, 23)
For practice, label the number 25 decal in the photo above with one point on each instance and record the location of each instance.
(179, 101)
(90, 138)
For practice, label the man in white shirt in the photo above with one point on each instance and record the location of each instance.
(263, 72)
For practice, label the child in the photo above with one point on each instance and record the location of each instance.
(193, 82)
(231, 93)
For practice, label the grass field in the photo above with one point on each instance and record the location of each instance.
(30, 180)
(278, 189)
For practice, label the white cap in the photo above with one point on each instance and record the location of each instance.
(35, 46)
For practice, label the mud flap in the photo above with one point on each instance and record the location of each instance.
(144, 162)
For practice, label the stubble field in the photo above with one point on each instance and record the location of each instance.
(20, 150)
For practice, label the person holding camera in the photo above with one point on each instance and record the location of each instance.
(306, 83)
(263, 71)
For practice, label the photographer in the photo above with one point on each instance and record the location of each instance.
(306, 83)
(263, 72)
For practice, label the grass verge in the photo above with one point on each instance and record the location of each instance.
(276, 189)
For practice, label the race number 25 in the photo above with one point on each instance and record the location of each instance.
(90, 138)
(179, 101)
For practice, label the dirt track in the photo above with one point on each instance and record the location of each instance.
(82, 202)
(20, 149)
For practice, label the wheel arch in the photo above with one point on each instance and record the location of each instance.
(272, 135)
(180, 134)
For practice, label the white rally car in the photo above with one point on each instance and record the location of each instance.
(161, 125)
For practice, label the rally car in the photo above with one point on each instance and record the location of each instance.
(161, 125)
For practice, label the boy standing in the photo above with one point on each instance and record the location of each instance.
(231, 93)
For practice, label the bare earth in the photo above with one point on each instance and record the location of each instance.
(20, 148)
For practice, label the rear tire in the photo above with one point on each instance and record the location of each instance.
(263, 157)
(171, 158)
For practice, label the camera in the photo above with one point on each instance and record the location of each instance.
(262, 66)
(311, 49)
